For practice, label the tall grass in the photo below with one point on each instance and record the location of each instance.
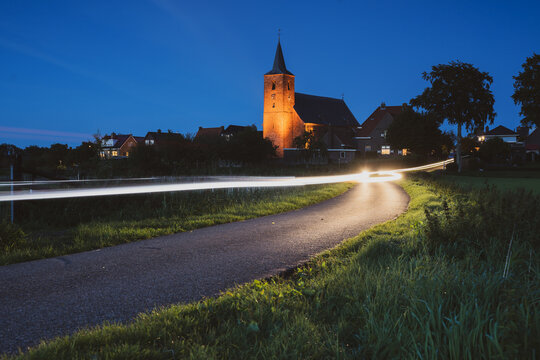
(403, 289)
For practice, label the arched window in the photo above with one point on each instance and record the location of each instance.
(288, 85)
(274, 105)
(273, 85)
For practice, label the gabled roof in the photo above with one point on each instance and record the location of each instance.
(139, 139)
(501, 131)
(279, 63)
(118, 140)
(209, 132)
(373, 120)
(323, 110)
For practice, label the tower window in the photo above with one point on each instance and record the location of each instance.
(273, 85)
(273, 105)
(288, 86)
(273, 96)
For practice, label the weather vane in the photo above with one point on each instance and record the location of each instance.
(279, 34)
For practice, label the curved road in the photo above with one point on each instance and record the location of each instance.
(47, 298)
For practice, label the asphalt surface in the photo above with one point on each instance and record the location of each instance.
(47, 298)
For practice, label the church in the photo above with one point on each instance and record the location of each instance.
(287, 114)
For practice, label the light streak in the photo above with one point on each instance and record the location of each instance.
(260, 182)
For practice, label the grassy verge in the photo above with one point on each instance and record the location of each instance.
(145, 217)
(503, 180)
(435, 283)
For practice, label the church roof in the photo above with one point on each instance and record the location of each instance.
(323, 110)
(279, 63)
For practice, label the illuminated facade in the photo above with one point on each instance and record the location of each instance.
(287, 114)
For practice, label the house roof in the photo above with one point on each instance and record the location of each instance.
(139, 139)
(323, 110)
(373, 120)
(118, 140)
(209, 132)
(533, 141)
(235, 129)
(279, 63)
(164, 137)
(501, 131)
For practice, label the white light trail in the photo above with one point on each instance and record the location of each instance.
(261, 182)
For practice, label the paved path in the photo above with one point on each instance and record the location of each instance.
(46, 298)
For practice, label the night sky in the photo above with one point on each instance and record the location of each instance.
(71, 68)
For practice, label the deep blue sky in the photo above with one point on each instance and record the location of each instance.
(69, 68)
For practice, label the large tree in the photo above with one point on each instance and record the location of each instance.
(416, 132)
(460, 94)
(527, 91)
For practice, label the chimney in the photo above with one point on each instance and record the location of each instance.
(383, 106)
(159, 131)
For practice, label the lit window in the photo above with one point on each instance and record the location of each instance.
(273, 85)
(127, 153)
(404, 152)
(114, 153)
(149, 142)
(385, 150)
(368, 147)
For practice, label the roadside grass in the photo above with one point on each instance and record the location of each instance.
(434, 283)
(148, 216)
(502, 180)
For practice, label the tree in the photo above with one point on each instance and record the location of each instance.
(310, 145)
(527, 91)
(416, 132)
(459, 94)
(495, 151)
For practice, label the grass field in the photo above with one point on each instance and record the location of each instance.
(97, 223)
(434, 283)
(503, 181)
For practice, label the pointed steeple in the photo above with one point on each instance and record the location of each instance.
(279, 63)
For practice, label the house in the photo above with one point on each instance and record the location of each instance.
(233, 130)
(118, 146)
(209, 132)
(160, 138)
(532, 144)
(371, 135)
(501, 132)
(287, 114)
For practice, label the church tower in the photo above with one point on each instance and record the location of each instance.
(280, 122)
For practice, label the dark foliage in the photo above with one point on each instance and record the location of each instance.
(418, 133)
(460, 94)
(527, 91)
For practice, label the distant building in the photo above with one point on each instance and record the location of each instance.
(501, 132)
(532, 144)
(117, 146)
(371, 135)
(159, 138)
(209, 132)
(288, 114)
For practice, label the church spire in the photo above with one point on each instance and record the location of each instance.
(279, 62)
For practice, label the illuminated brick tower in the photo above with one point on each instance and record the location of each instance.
(281, 124)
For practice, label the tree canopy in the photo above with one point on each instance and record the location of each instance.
(416, 132)
(527, 91)
(460, 94)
